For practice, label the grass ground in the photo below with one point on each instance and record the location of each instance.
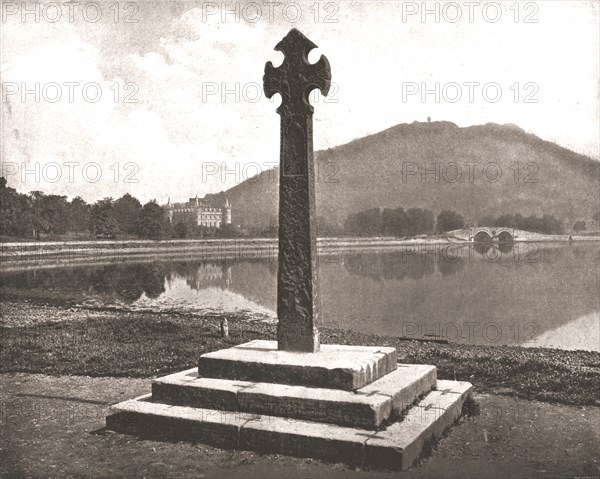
(55, 340)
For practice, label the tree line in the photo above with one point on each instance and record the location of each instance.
(417, 221)
(546, 224)
(399, 222)
(35, 214)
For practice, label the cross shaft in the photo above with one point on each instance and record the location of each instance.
(297, 282)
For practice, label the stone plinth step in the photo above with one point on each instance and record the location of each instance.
(333, 367)
(367, 407)
(396, 447)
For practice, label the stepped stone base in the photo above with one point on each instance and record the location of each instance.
(383, 424)
(368, 407)
(333, 367)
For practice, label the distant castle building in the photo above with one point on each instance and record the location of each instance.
(194, 211)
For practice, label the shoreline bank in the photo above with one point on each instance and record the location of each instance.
(16, 256)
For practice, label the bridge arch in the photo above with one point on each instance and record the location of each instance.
(488, 234)
(482, 236)
(505, 237)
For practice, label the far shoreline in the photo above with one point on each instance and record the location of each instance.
(41, 254)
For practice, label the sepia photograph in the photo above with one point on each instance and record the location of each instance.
(300, 239)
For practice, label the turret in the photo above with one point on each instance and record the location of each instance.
(227, 213)
(170, 210)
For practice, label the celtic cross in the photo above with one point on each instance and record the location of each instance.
(297, 283)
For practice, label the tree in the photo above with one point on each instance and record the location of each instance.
(547, 224)
(127, 211)
(228, 231)
(182, 230)
(102, 221)
(596, 217)
(397, 222)
(79, 215)
(364, 223)
(486, 221)
(270, 231)
(419, 221)
(54, 211)
(153, 222)
(579, 226)
(202, 231)
(449, 220)
(506, 221)
(15, 218)
(394, 222)
(33, 215)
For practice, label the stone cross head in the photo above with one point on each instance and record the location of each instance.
(295, 78)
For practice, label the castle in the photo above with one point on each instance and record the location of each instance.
(194, 211)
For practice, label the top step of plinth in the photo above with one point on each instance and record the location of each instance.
(334, 366)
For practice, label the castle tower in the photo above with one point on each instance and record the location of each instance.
(170, 210)
(227, 213)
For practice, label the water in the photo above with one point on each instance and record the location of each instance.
(531, 294)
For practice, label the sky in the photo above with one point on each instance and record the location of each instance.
(164, 99)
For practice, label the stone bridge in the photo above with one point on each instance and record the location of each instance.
(498, 234)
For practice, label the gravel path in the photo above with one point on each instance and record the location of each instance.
(54, 427)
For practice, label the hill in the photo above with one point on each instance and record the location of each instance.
(483, 170)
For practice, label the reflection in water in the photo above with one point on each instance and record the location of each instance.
(484, 247)
(522, 293)
(448, 268)
(201, 276)
(419, 262)
(385, 267)
(581, 333)
(126, 282)
(490, 295)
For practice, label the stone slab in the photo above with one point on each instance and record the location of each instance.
(177, 423)
(292, 437)
(333, 367)
(396, 447)
(186, 388)
(407, 383)
(367, 407)
(318, 405)
(401, 444)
